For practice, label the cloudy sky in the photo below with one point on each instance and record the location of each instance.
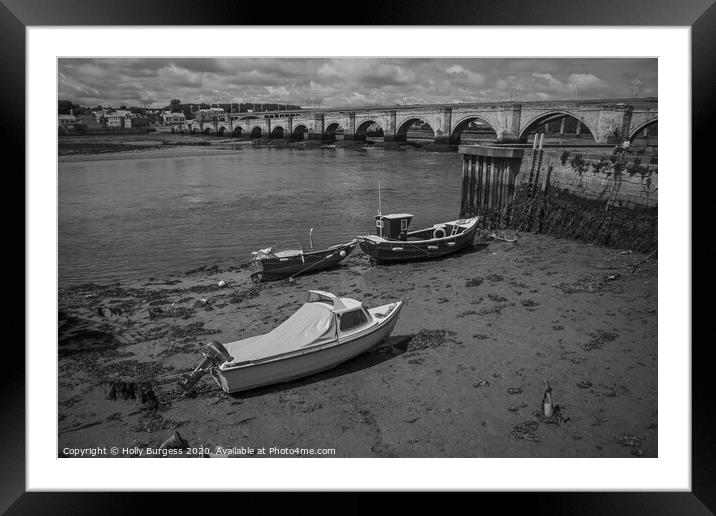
(349, 82)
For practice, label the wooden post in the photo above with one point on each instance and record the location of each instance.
(473, 185)
(494, 182)
(498, 185)
(465, 186)
(546, 180)
(486, 188)
(479, 193)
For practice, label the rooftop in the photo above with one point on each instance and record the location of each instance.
(394, 216)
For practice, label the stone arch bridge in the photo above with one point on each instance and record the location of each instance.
(608, 121)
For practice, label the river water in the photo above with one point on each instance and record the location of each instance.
(139, 216)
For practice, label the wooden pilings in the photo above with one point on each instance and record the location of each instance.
(488, 184)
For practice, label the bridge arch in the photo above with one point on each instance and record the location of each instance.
(332, 130)
(644, 138)
(255, 132)
(401, 132)
(299, 132)
(472, 122)
(208, 130)
(367, 126)
(641, 127)
(236, 133)
(277, 132)
(221, 130)
(551, 116)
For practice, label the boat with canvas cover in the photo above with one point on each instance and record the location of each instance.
(275, 263)
(325, 332)
(394, 242)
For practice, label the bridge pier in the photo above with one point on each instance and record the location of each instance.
(446, 140)
(316, 132)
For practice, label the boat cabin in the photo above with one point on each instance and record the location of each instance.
(393, 226)
(351, 314)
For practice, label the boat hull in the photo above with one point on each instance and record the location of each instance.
(274, 268)
(280, 370)
(409, 250)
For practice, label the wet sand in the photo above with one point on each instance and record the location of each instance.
(462, 375)
(150, 145)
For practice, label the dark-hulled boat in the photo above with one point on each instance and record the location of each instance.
(272, 264)
(393, 242)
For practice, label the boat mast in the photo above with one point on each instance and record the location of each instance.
(380, 209)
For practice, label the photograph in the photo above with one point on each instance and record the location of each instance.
(357, 257)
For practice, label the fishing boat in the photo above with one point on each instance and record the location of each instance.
(323, 333)
(394, 242)
(276, 262)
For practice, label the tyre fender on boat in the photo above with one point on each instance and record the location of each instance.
(439, 233)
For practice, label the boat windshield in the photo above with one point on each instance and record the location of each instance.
(352, 319)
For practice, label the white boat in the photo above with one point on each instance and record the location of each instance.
(323, 333)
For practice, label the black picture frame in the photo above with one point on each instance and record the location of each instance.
(16, 15)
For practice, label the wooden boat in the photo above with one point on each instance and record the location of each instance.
(272, 263)
(393, 242)
(323, 333)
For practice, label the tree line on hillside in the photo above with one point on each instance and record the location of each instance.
(189, 109)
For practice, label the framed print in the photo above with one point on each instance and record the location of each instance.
(421, 250)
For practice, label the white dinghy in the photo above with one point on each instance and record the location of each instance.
(323, 333)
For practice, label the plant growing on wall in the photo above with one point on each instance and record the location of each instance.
(640, 169)
(564, 157)
(602, 165)
(578, 163)
(617, 159)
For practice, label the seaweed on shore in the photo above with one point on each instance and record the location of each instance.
(598, 339)
(195, 329)
(128, 390)
(628, 440)
(426, 339)
(474, 282)
(590, 284)
(244, 295)
(173, 311)
(526, 431)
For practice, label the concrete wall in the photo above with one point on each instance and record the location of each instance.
(629, 181)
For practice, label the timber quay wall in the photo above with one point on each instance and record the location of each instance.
(609, 198)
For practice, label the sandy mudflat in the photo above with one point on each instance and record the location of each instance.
(502, 319)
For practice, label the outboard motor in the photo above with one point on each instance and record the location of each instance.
(215, 354)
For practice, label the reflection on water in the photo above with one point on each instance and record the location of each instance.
(141, 217)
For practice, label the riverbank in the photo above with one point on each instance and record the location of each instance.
(86, 147)
(461, 376)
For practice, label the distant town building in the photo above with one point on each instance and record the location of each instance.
(90, 122)
(120, 119)
(169, 118)
(66, 120)
(99, 115)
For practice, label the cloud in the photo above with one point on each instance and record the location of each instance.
(347, 81)
(586, 81)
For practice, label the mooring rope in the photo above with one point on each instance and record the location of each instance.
(313, 265)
